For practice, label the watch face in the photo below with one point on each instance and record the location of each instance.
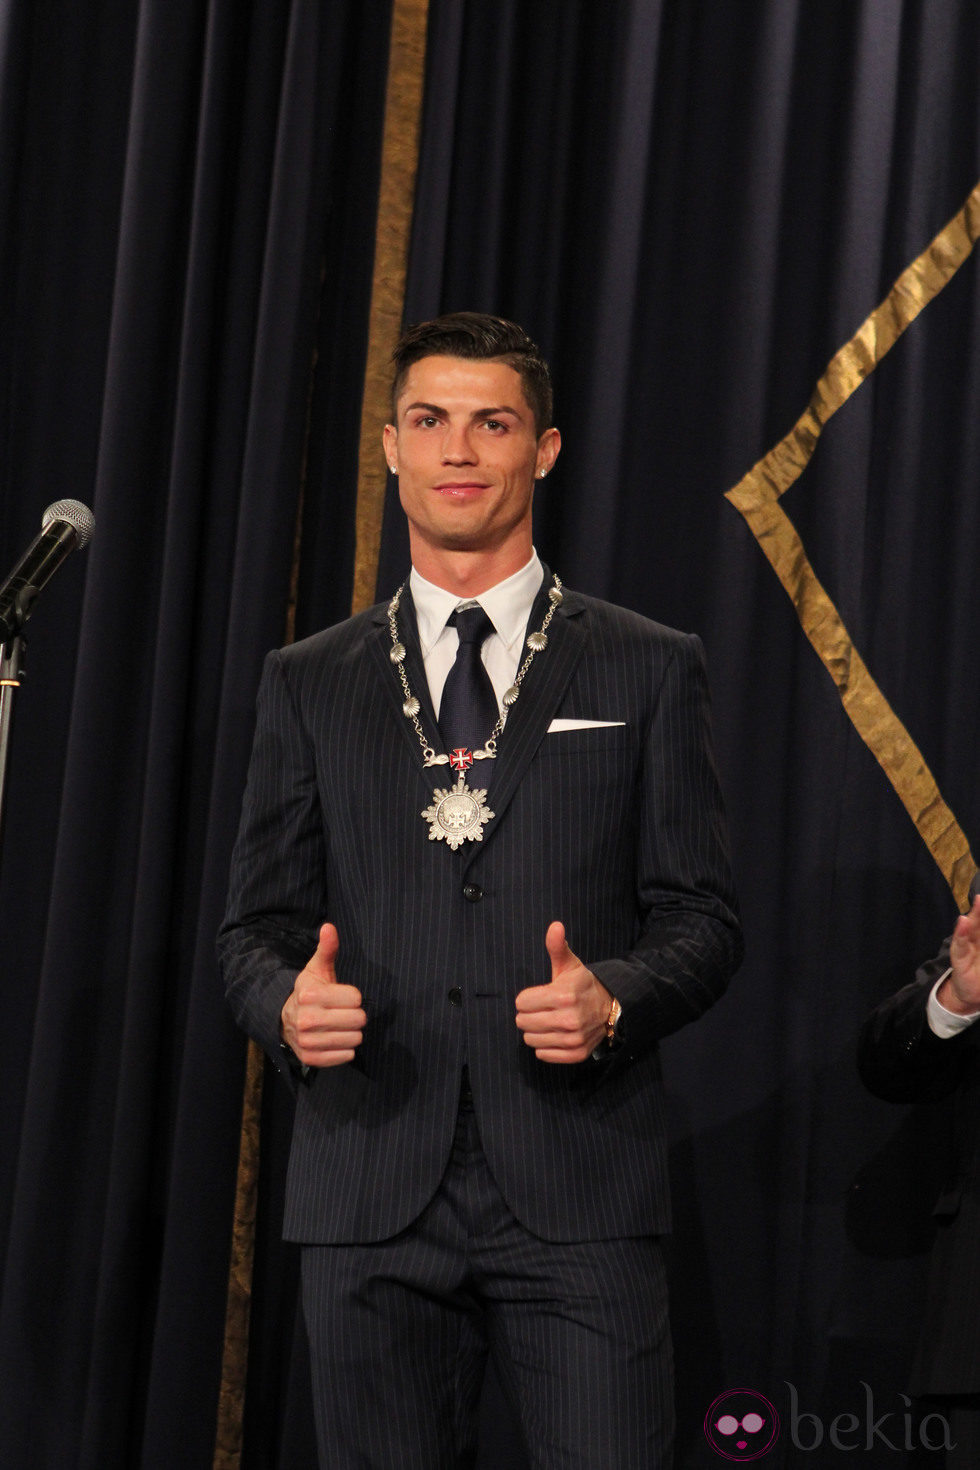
(612, 1020)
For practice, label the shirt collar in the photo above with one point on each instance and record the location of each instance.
(508, 604)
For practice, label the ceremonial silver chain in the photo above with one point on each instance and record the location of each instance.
(410, 708)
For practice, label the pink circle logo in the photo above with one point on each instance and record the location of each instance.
(741, 1425)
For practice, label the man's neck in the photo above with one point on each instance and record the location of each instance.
(468, 573)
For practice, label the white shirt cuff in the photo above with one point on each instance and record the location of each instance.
(943, 1022)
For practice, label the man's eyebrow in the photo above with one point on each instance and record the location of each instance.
(494, 413)
(427, 407)
(480, 413)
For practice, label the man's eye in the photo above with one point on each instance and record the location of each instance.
(495, 424)
(426, 421)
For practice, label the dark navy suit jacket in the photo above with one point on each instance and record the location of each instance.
(618, 831)
(902, 1060)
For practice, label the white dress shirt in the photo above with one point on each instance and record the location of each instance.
(945, 1023)
(508, 606)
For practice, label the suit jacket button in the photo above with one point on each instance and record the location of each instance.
(472, 892)
(455, 996)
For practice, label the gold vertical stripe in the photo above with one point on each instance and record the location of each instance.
(756, 497)
(234, 1364)
(399, 167)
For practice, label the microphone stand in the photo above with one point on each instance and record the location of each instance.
(11, 675)
(70, 523)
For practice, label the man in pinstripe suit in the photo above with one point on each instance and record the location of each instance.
(462, 952)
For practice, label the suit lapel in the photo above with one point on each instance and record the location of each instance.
(379, 649)
(541, 693)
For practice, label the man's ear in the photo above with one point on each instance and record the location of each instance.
(389, 439)
(549, 445)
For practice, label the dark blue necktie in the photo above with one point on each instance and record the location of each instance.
(468, 711)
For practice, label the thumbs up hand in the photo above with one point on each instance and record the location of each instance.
(322, 1021)
(565, 1020)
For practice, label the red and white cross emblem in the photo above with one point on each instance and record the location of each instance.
(460, 759)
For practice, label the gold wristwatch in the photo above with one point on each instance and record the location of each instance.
(615, 1011)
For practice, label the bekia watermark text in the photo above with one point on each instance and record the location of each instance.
(742, 1425)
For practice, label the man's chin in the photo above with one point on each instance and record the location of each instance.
(469, 536)
(463, 535)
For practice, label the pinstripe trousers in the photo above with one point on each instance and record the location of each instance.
(399, 1332)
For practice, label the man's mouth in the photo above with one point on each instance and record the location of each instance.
(460, 487)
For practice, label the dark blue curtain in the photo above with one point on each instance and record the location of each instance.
(183, 183)
(692, 204)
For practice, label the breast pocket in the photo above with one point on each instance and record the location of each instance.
(601, 740)
(586, 782)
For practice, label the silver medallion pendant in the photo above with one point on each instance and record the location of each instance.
(457, 814)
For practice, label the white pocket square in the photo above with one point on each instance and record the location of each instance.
(557, 726)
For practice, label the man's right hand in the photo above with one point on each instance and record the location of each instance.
(322, 1021)
(960, 991)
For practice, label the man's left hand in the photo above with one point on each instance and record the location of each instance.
(566, 1020)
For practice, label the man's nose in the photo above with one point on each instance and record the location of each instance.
(457, 446)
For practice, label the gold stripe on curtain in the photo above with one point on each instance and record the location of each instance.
(234, 1365)
(399, 166)
(756, 496)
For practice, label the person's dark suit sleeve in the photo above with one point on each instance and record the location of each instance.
(900, 1058)
(277, 890)
(689, 941)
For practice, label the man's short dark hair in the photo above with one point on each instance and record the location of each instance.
(474, 334)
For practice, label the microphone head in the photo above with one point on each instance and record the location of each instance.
(77, 514)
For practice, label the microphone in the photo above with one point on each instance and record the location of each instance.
(65, 525)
